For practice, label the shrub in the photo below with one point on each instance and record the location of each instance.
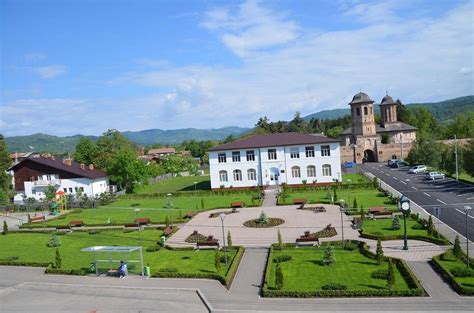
(462, 272)
(229, 239)
(53, 241)
(167, 221)
(354, 203)
(282, 258)
(430, 227)
(395, 223)
(328, 257)
(417, 226)
(57, 259)
(457, 252)
(379, 252)
(380, 274)
(153, 248)
(185, 258)
(5, 228)
(280, 240)
(278, 278)
(350, 246)
(168, 270)
(263, 218)
(94, 232)
(390, 275)
(334, 286)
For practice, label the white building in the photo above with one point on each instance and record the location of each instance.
(273, 159)
(33, 175)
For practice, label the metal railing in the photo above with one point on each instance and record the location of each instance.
(43, 183)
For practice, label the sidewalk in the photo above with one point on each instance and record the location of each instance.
(270, 197)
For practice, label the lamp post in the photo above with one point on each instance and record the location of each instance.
(168, 206)
(466, 209)
(342, 209)
(137, 211)
(405, 208)
(456, 153)
(222, 216)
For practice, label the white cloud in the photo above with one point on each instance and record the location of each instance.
(251, 27)
(50, 71)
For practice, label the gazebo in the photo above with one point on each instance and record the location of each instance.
(124, 250)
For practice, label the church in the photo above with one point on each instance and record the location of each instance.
(368, 141)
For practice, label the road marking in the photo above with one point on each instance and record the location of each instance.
(472, 198)
(387, 174)
(427, 194)
(403, 182)
(441, 201)
(460, 195)
(464, 213)
(397, 179)
(414, 188)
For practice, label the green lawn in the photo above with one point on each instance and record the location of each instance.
(383, 226)
(450, 262)
(177, 184)
(29, 247)
(366, 198)
(354, 179)
(304, 272)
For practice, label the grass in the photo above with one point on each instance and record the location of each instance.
(450, 262)
(305, 272)
(177, 184)
(366, 198)
(355, 179)
(383, 226)
(31, 247)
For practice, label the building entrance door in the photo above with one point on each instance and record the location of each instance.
(274, 176)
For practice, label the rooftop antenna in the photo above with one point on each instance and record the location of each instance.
(386, 92)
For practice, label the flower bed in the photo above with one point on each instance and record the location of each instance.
(256, 223)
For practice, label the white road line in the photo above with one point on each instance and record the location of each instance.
(441, 201)
(397, 179)
(472, 198)
(414, 188)
(464, 213)
(403, 182)
(387, 174)
(427, 194)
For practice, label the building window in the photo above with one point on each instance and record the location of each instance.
(237, 175)
(325, 151)
(70, 190)
(222, 158)
(365, 111)
(75, 188)
(65, 189)
(295, 171)
(252, 174)
(250, 155)
(272, 154)
(309, 152)
(295, 153)
(236, 156)
(82, 189)
(223, 176)
(327, 170)
(311, 171)
(358, 111)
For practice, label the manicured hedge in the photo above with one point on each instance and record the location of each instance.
(225, 280)
(450, 279)
(415, 287)
(50, 270)
(32, 264)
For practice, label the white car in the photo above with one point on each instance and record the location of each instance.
(434, 175)
(417, 169)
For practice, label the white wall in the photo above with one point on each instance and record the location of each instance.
(283, 163)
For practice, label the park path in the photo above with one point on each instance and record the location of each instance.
(249, 277)
(270, 197)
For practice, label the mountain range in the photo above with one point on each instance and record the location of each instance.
(444, 110)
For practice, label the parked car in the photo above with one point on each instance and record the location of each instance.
(417, 169)
(434, 175)
(394, 163)
(349, 164)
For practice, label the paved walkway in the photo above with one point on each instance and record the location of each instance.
(270, 199)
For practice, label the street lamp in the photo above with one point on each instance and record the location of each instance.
(456, 153)
(466, 209)
(405, 208)
(342, 209)
(137, 211)
(168, 206)
(222, 216)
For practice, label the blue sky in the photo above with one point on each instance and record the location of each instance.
(71, 67)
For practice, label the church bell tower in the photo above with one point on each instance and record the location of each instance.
(362, 111)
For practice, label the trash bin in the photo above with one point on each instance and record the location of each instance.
(162, 240)
(147, 271)
(92, 267)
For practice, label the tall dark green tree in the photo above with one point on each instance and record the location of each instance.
(86, 151)
(297, 124)
(468, 158)
(448, 159)
(5, 179)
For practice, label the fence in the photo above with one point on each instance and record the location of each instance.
(157, 179)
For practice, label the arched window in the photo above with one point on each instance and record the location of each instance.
(251, 174)
(358, 111)
(365, 111)
(295, 171)
(237, 175)
(223, 176)
(311, 171)
(327, 170)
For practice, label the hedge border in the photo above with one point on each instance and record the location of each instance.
(449, 278)
(31, 264)
(224, 280)
(405, 271)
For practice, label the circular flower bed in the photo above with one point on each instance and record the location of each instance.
(257, 223)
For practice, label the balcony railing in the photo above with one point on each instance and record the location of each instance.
(44, 183)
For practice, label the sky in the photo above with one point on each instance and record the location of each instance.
(82, 67)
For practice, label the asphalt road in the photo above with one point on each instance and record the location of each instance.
(448, 194)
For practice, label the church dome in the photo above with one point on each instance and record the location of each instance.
(387, 100)
(361, 98)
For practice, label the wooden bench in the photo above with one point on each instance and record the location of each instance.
(37, 218)
(76, 223)
(142, 221)
(308, 241)
(300, 201)
(168, 231)
(189, 215)
(112, 272)
(377, 211)
(237, 204)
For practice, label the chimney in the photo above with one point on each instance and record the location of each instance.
(82, 166)
(67, 162)
(91, 167)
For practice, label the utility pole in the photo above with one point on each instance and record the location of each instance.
(401, 147)
(456, 153)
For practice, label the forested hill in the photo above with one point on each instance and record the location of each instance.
(55, 144)
(444, 110)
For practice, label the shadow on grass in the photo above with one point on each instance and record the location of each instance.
(206, 271)
(365, 262)
(317, 262)
(203, 185)
(372, 286)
